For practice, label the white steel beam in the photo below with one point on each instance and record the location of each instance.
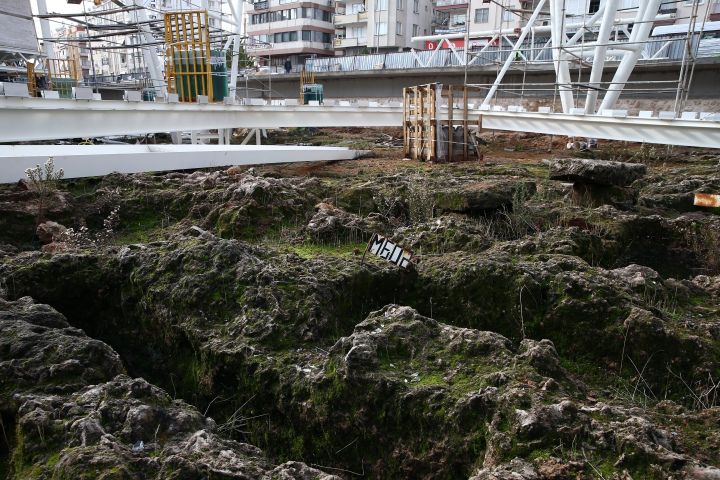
(40, 119)
(516, 48)
(695, 133)
(647, 11)
(94, 160)
(562, 67)
(237, 7)
(537, 29)
(603, 38)
(26, 119)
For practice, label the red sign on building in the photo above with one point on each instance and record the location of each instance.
(456, 43)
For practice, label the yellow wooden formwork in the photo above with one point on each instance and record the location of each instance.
(187, 54)
(31, 82)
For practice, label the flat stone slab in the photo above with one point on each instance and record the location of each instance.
(597, 172)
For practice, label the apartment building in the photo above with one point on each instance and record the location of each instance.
(295, 30)
(674, 11)
(474, 16)
(73, 47)
(380, 25)
(486, 15)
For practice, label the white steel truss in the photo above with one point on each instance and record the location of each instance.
(568, 48)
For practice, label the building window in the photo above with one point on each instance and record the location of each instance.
(594, 6)
(416, 30)
(381, 5)
(416, 6)
(507, 15)
(357, 32)
(398, 28)
(457, 19)
(482, 15)
(400, 4)
(313, 36)
(381, 28)
(284, 37)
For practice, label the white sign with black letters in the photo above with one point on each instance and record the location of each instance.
(384, 248)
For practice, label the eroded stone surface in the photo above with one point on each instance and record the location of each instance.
(537, 338)
(596, 172)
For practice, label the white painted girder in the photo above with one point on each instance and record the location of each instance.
(693, 133)
(94, 160)
(26, 119)
(23, 119)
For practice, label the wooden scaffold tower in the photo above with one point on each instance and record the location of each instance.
(435, 123)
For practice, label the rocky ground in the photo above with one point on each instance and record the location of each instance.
(561, 320)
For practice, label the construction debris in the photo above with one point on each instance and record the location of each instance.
(384, 248)
(707, 200)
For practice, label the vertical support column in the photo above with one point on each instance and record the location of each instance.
(432, 93)
(439, 146)
(420, 115)
(451, 133)
(406, 136)
(465, 122)
(237, 8)
(479, 155)
(647, 11)
(606, 27)
(416, 133)
(562, 69)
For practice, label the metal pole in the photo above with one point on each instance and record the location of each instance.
(562, 69)
(237, 8)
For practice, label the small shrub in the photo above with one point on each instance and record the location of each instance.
(43, 181)
(83, 238)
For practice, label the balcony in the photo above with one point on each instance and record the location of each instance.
(346, 42)
(447, 31)
(450, 4)
(350, 18)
